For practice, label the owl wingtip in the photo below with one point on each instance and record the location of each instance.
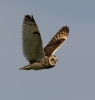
(30, 18)
(65, 28)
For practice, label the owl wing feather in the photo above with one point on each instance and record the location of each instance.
(56, 41)
(31, 40)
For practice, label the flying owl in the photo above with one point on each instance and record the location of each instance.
(39, 57)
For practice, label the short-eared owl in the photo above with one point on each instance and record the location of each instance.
(39, 57)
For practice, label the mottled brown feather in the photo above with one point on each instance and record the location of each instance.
(56, 41)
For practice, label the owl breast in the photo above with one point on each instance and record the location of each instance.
(51, 61)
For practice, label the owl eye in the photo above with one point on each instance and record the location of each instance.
(52, 59)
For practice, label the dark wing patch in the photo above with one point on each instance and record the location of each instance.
(56, 41)
(29, 18)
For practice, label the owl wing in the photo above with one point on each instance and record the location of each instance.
(31, 40)
(56, 41)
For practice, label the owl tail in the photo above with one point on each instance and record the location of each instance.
(25, 68)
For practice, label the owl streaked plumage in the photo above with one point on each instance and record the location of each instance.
(39, 57)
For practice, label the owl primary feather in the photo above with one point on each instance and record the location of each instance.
(39, 57)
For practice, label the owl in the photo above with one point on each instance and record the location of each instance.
(40, 58)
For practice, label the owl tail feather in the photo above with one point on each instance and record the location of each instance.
(25, 68)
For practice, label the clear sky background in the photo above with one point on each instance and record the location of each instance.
(73, 78)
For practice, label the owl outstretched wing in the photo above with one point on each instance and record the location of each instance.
(56, 41)
(31, 40)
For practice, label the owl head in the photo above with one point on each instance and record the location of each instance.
(53, 60)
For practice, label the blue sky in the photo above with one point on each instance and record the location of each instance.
(73, 78)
